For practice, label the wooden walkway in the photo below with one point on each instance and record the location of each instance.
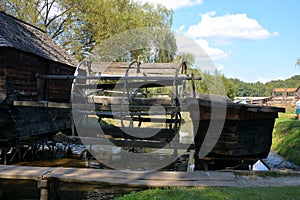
(98, 176)
(45, 175)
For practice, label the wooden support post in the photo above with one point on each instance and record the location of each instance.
(1, 196)
(5, 156)
(191, 163)
(43, 186)
(193, 85)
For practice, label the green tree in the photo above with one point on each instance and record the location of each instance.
(80, 25)
(52, 16)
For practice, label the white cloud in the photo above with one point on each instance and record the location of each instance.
(229, 27)
(214, 53)
(173, 4)
(181, 29)
(220, 67)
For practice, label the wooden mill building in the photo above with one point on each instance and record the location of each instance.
(284, 92)
(28, 105)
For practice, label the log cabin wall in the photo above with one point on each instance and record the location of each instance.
(59, 90)
(18, 81)
(26, 51)
(2, 76)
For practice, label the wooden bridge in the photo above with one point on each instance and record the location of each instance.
(47, 175)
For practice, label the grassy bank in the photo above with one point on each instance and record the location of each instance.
(217, 193)
(286, 137)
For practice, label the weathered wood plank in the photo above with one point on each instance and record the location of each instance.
(119, 108)
(122, 66)
(116, 132)
(130, 178)
(41, 104)
(108, 100)
(120, 85)
(24, 172)
(135, 118)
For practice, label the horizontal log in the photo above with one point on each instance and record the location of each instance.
(120, 108)
(147, 72)
(105, 65)
(139, 119)
(144, 84)
(106, 100)
(160, 134)
(42, 104)
(134, 143)
(111, 77)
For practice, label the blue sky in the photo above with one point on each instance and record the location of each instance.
(253, 40)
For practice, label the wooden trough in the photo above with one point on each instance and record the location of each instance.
(245, 136)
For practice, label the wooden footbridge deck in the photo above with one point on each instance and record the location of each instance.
(46, 175)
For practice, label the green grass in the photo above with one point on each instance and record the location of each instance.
(214, 193)
(286, 137)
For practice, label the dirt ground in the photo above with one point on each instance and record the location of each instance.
(248, 181)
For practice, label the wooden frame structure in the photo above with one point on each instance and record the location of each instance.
(118, 95)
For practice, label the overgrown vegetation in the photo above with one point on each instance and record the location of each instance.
(286, 136)
(217, 193)
(259, 89)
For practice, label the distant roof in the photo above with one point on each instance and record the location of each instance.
(25, 37)
(284, 89)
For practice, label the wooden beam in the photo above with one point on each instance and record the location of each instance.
(112, 77)
(120, 86)
(135, 118)
(108, 100)
(116, 132)
(45, 104)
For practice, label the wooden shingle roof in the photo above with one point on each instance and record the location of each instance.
(17, 34)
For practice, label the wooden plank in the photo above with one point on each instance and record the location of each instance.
(147, 72)
(30, 103)
(144, 84)
(91, 174)
(133, 143)
(141, 119)
(131, 178)
(116, 132)
(24, 172)
(125, 143)
(115, 77)
(153, 179)
(108, 100)
(103, 66)
(41, 104)
(119, 108)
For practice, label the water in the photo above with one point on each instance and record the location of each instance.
(24, 189)
(77, 156)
